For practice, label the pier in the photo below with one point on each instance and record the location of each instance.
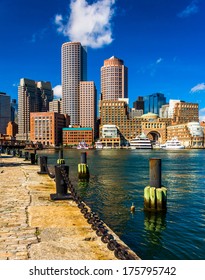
(34, 227)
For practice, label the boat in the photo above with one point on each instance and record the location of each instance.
(82, 145)
(98, 145)
(141, 142)
(173, 144)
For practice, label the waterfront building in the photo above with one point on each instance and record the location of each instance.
(185, 112)
(12, 129)
(153, 102)
(116, 112)
(32, 97)
(110, 136)
(5, 111)
(75, 135)
(155, 128)
(164, 111)
(88, 105)
(114, 79)
(46, 127)
(135, 113)
(191, 134)
(74, 70)
(56, 106)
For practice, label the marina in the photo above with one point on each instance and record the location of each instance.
(118, 179)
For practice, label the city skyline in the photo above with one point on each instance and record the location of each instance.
(160, 43)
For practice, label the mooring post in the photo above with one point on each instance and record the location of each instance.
(26, 155)
(83, 171)
(43, 165)
(60, 157)
(33, 158)
(61, 185)
(155, 195)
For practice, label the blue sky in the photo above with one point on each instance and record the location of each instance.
(161, 42)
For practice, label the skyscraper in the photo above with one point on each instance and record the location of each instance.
(32, 97)
(74, 70)
(153, 102)
(5, 111)
(114, 79)
(88, 105)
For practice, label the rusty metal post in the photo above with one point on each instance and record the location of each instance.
(155, 172)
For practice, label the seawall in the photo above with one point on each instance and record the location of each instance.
(33, 227)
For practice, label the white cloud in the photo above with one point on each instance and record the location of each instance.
(199, 87)
(89, 24)
(57, 91)
(191, 9)
(159, 60)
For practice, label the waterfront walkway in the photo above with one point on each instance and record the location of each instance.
(32, 227)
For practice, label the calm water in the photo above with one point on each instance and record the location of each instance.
(118, 178)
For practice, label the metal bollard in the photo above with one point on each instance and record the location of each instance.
(33, 158)
(26, 155)
(43, 165)
(61, 186)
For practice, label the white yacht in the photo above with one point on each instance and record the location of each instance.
(173, 144)
(141, 142)
(82, 145)
(98, 145)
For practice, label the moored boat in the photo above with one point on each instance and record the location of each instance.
(141, 142)
(173, 144)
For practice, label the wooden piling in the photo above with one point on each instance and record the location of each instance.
(155, 195)
(83, 171)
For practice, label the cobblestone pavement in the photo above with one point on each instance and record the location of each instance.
(15, 234)
(36, 228)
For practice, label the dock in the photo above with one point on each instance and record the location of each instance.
(33, 227)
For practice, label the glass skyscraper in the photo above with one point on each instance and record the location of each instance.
(153, 102)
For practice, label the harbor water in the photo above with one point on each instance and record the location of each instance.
(118, 179)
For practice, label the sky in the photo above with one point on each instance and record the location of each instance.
(162, 42)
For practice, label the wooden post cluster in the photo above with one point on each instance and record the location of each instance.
(155, 195)
(83, 171)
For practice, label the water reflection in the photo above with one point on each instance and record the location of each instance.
(155, 221)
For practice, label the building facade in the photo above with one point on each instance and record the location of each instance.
(12, 129)
(74, 70)
(32, 97)
(153, 103)
(46, 127)
(114, 79)
(5, 111)
(75, 135)
(88, 105)
(185, 112)
(56, 106)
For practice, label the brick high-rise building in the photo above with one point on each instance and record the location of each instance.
(32, 97)
(74, 70)
(46, 127)
(88, 105)
(114, 79)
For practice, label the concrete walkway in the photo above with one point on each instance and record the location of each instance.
(36, 228)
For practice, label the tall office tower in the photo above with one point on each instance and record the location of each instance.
(74, 70)
(88, 105)
(5, 112)
(45, 95)
(153, 102)
(14, 111)
(114, 79)
(32, 97)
